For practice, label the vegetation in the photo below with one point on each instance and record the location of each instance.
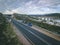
(49, 27)
(7, 36)
(54, 15)
(33, 17)
(19, 16)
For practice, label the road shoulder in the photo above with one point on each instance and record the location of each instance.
(48, 33)
(21, 38)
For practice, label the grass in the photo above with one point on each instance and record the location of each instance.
(49, 27)
(7, 35)
(11, 36)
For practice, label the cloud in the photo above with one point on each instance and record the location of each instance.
(48, 2)
(30, 6)
(8, 12)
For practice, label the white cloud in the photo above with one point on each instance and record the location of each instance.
(29, 3)
(8, 12)
(34, 10)
(37, 7)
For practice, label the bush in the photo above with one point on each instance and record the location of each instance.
(7, 36)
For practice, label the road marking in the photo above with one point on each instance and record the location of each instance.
(36, 35)
(27, 38)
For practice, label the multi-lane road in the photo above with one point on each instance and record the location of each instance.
(35, 37)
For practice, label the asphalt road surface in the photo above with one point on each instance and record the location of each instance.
(34, 36)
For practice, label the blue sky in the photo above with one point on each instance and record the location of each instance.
(30, 6)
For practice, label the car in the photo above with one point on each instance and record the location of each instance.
(30, 24)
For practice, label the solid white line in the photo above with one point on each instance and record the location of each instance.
(37, 36)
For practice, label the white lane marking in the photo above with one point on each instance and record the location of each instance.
(36, 36)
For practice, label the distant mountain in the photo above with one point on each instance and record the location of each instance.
(48, 15)
(37, 15)
(53, 14)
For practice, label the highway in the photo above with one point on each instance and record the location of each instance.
(35, 37)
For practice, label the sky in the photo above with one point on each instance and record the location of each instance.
(29, 6)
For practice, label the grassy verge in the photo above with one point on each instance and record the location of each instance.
(7, 35)
(49, 27)
(11, 36)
